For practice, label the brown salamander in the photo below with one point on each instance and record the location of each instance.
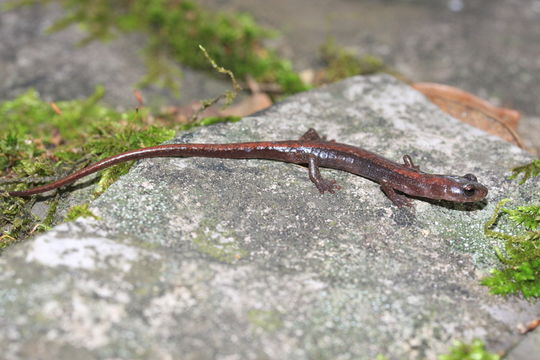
(395, 179)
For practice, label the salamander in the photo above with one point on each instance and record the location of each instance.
(396, 180)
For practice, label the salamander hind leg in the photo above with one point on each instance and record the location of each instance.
(322, 184)
(399, 200)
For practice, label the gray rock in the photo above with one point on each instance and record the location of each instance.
(527, 348)
(58, 69)
(244, 259)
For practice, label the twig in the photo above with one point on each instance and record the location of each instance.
(228, 95)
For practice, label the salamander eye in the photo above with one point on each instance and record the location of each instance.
(470, 177)
(469, 190)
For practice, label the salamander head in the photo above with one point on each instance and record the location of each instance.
(459, 188)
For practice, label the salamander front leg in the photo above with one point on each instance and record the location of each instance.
(315, 176)
(398, 199)
(313, 135)
(407, 161)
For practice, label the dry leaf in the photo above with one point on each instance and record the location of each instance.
(138, 96)
(256, 102)
(468, 108)
(532, 325)
(55, 108)
(248, 106)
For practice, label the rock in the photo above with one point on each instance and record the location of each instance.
(59, 70)
(244, 259)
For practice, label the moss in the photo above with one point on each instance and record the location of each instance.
(174, 30)
(341, 63)
(527, 171)
(79, 211)
(520, 258)
(472, 351)
(220, 245)
(519, 229)
(39, 139)
(527, 216)
(267, 320)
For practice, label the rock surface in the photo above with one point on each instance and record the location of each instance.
(58, 69)
(244, 259)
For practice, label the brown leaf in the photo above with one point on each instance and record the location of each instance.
(256, 102)
(249, 105)
(138, 96)
(55, 108)
(530, 326)
(468, 108)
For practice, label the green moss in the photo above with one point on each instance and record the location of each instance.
(79, 211)
(472, 351)
(174, 29)
(520, 257)
(527, 171)
(267, 320)
(16, 220)
(220, 245)
(341, 63)
(527, 216)
(39, 139)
